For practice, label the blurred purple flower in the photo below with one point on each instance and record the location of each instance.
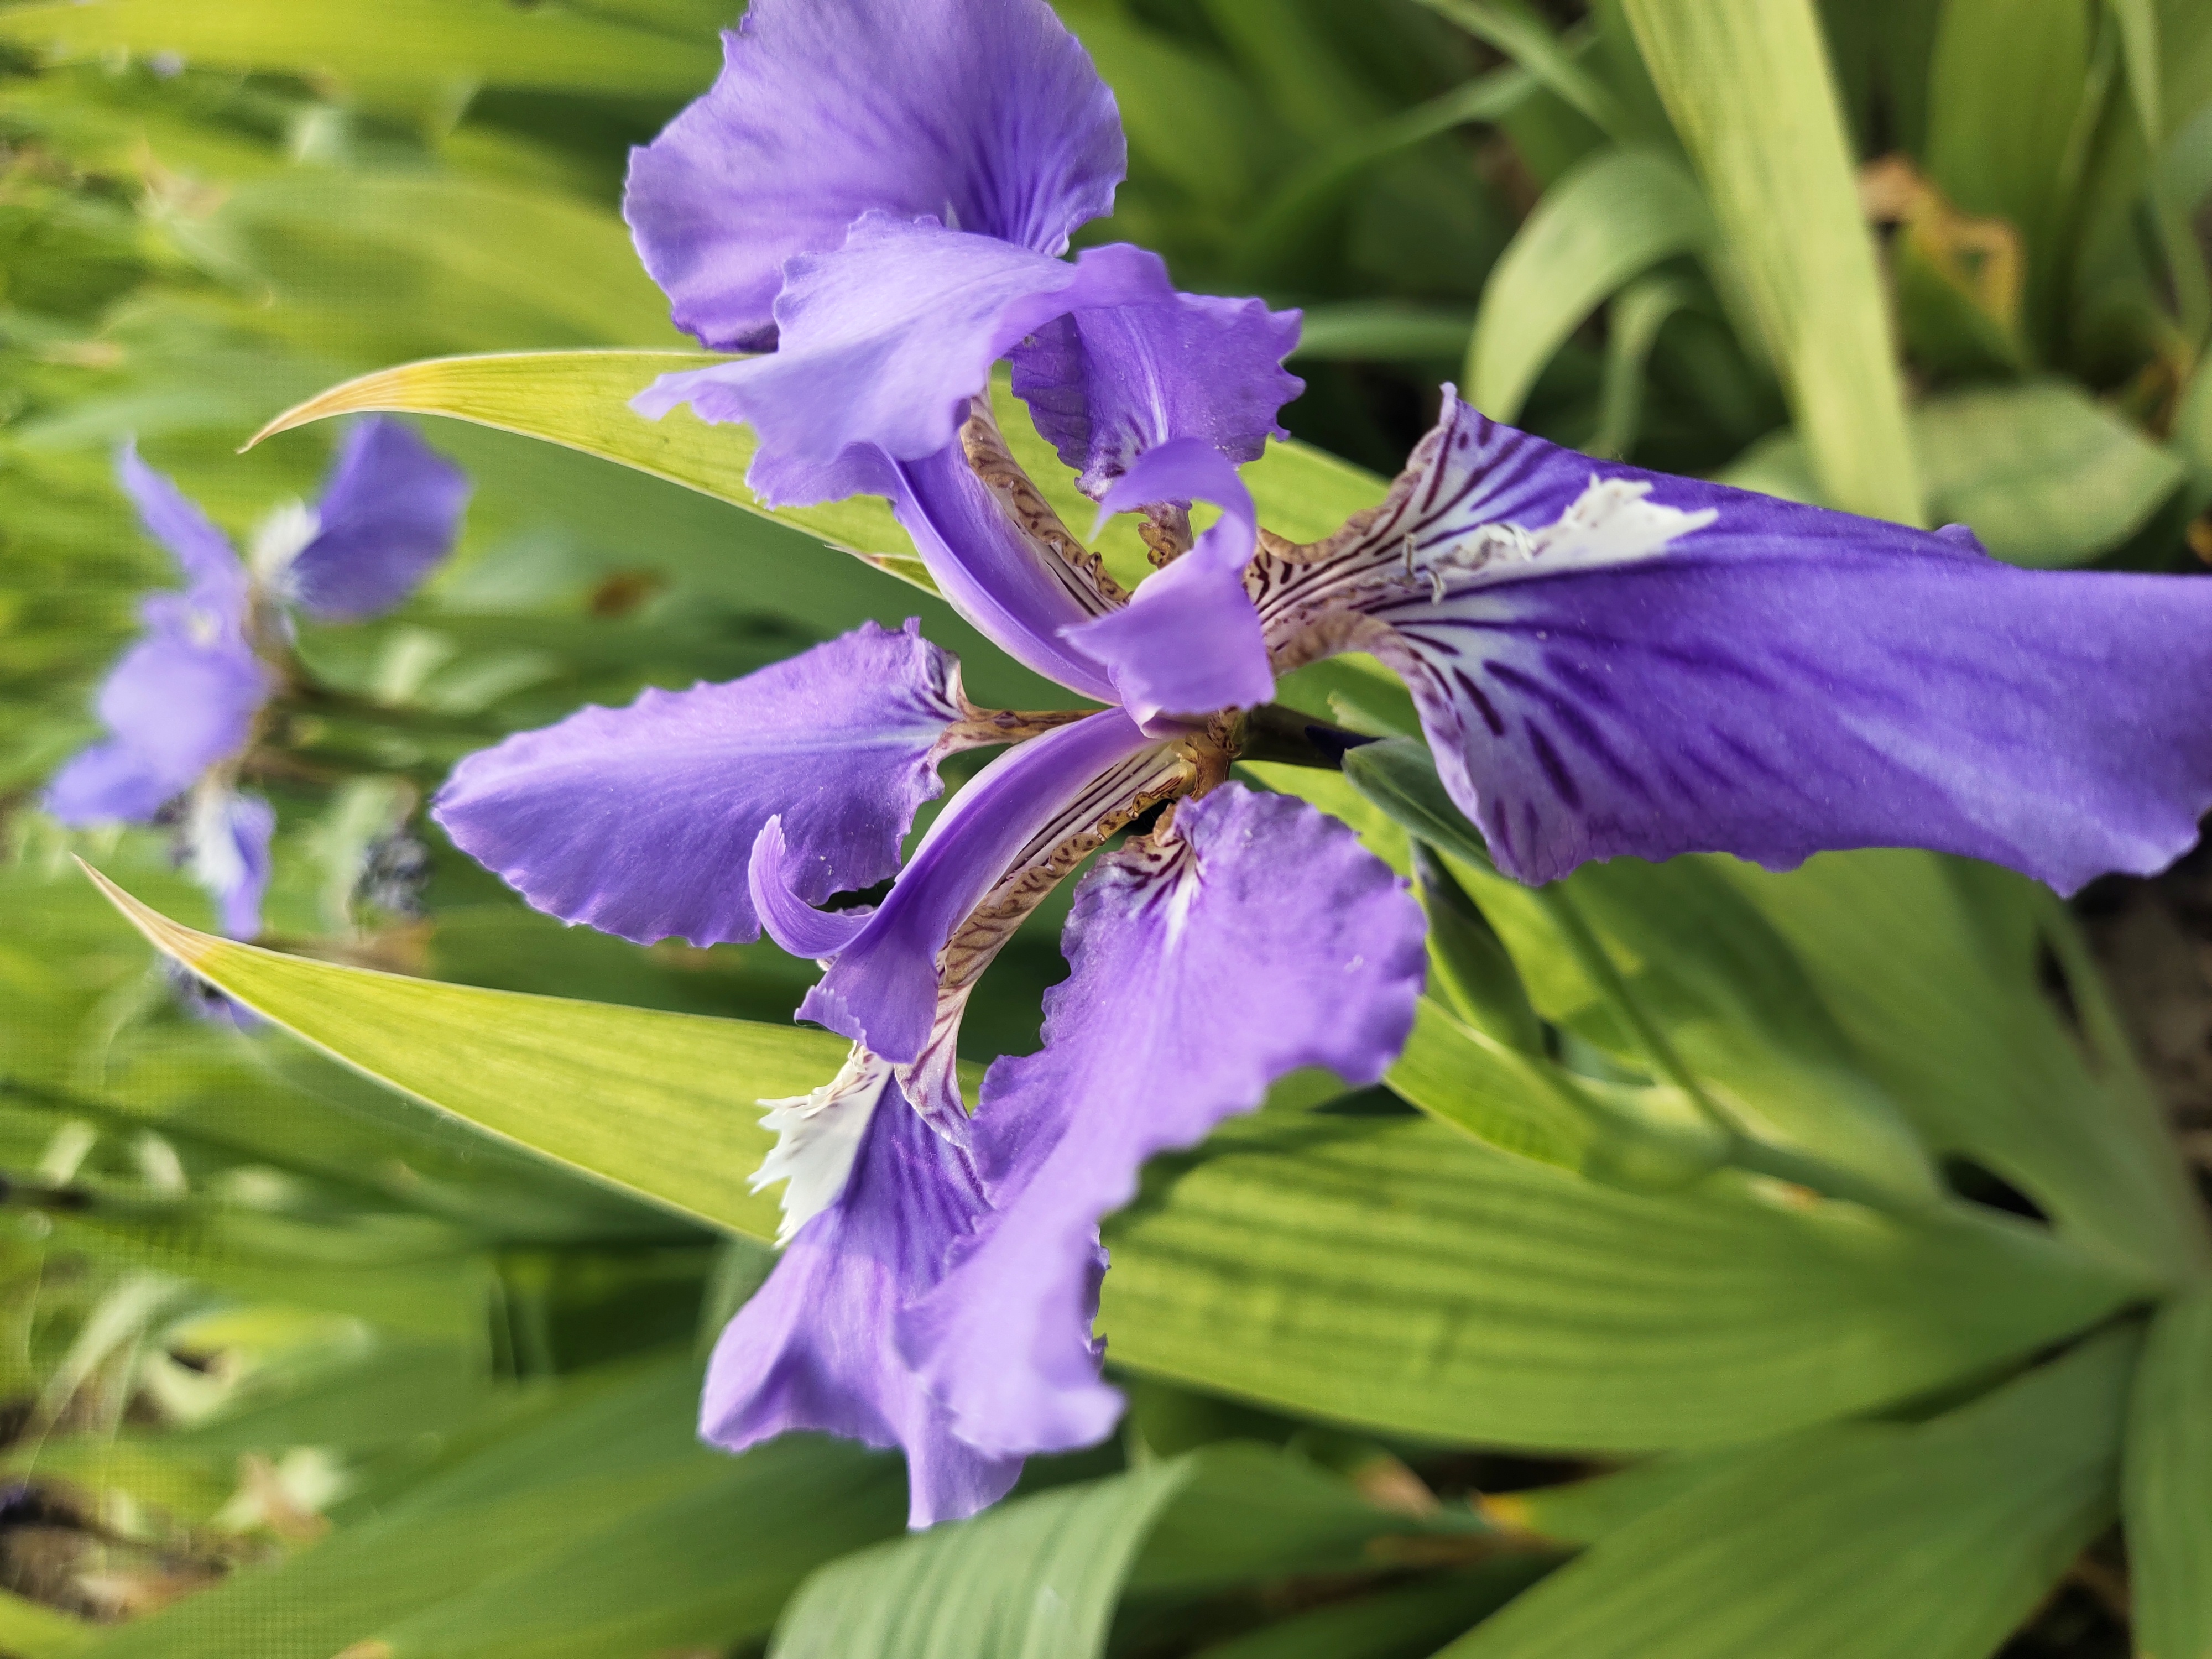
(1607, 661)
(181, 706)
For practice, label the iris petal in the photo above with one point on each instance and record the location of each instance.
(388, 515)
(984, 113)
(641, 821)
(1190, 642)
(182, 699)
(812, 1350)
(1020, 595)
(226, 837)
(792, 923)
(882, 989)
(883, 340)
(1612, 662)
(1104, 386)
(215, 578)
(1200, 976)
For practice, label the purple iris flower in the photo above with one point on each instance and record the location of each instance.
(1607, 662)
(182, 707)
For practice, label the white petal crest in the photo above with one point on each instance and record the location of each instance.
(817, 1137)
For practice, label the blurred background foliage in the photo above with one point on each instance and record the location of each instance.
(291, 1364)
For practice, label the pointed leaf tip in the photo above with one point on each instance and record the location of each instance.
(169, 937)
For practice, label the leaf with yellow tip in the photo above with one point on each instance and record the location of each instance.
(660, 1104)
(581, 400)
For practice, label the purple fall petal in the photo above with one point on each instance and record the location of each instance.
(1105, 386)
(815, 1348)
(984, 113)
(1650, 665)
(1189, 642)
(641, 821)
(388, 516)
(882, 990)
(182, 699)
(883, 340)
(1201, 974)
(792, 923)
(214, 579)
(226, 837)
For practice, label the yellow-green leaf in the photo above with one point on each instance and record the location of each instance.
(1391, 1272)
(662, 1104)
(1748, 86)
(581, 400)
(1609, 219)
(393, 40)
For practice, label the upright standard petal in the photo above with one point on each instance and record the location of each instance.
(815, 1347)
(214, 579)
(986, 114)
(182, 700)
(1202, 973)
(388, 515)
(882, 991)
(883, 340)
(1105, 386)
(1017, 588)
(1008, 566)
(1612, 662)
(641, 821)
(1190, 642)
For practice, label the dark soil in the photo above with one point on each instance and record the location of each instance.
(2153, 941)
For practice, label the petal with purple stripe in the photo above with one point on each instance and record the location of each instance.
(883, 340)
(1015, 587)
(1200, 974)
(816, 1349)
(641, 821)
(388, 516)
(1016, 815)
(1613, 662)
(984, 113)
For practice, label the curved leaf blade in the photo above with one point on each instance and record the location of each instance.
(1035, 1579)
(1933, 967)
(1393, 1272)
(1933, 1539)
(581, 400)
(2044, 474)
(660, 1104)
(2168, 1470)
(394, 41)
(1611, 218)
(1749, 85)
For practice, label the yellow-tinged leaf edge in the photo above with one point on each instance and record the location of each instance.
(387, 391)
